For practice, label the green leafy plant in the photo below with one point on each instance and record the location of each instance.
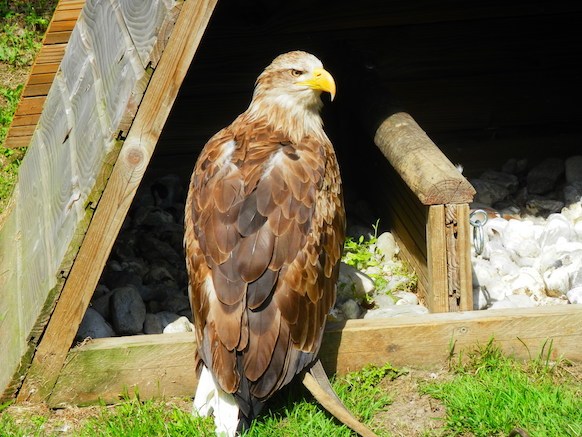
(363, 254)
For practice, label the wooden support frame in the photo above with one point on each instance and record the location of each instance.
(158, 365)
(170, 70)
(431, 222)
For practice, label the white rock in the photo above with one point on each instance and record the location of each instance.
(383, 300)
(573, 212)
(575, 295)
(182, 324)
(558, 229)
(501, 260)
(406, 298)
(351, 309)
(396, 310)
(480, 301)
(387, 245)
(557, 281)
(529, 282)
(520, 301)
(353, 283)
(519, 239)
(483, 273)
(500, 304)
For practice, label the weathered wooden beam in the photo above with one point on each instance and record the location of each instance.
(118, 194)
(425, 169)
(163, 365)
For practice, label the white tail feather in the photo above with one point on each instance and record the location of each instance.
(211, 399)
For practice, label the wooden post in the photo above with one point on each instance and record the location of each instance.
(116, 200)
(435, 183)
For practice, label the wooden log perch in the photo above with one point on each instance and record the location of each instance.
(421, 164)
(428, 197)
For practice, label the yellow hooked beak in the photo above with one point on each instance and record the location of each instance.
(321, 80)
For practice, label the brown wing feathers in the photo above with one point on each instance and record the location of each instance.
(261, 252)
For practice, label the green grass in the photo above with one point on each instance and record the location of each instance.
(293, 413)
(152, 418)
(22, 26)
(360, 391)
(9, 158)
(491, 394)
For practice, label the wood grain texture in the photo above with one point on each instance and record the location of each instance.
(155, 364)
(144, 20)
(121, 187)
(437, 299)
(424, 168)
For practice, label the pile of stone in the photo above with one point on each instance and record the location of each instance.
(533, 240)
(519, 191)
(143, 289)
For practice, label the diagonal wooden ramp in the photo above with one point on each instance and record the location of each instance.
(109, 99)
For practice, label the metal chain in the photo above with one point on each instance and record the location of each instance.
(478, 218)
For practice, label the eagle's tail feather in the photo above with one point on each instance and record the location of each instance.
(211, 399)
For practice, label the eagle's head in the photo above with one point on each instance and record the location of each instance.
(288, 93)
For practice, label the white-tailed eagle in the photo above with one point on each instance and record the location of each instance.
(264, 231)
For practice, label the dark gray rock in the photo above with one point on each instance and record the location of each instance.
(152, 249)
(573, 192)
(100, 290)
(167, 317)
(543, 207)
(508, 181)
(152, 324)
(119, 278)
(573, 166)
(159, 275)
(488, 192)
(157, 218)
(127, 311)
(542, 178)
(168, 190)
(158, 292)
(94, 325)
(101, 304)
(178, 304)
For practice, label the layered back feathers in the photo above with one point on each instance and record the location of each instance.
(264, 230)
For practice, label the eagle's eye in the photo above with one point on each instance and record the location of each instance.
(296, 73)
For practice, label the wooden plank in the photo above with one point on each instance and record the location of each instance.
(31, 105)
(68, 14)
(163, 365)
(50, 67)
(62, 26)
(41, 78)
(22, 131)
(424, 168)
(116, 199)
(61, 37)
(51, 53)
(23, 120)
(462, 260)
(41, 89)
(16, 142)
(438, 293)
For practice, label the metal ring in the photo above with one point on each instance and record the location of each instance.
(478, 223)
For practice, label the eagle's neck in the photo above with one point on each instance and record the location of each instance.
(296, 115)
